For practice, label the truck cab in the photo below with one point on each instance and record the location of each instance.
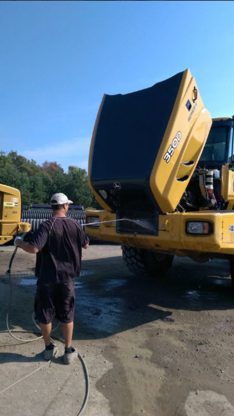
(211, 186)
(219, 147)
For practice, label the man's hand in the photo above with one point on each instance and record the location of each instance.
(19, 238)
(17, 241)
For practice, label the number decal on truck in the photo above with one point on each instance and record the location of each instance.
(172, 147)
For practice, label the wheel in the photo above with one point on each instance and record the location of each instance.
(133, 259)
(157, 264)
(141, 261)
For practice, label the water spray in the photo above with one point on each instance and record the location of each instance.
(142, 223)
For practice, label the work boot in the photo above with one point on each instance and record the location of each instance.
(70, 356)
(51, 352)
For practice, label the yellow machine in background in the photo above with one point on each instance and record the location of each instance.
(163, 171)
(10, 214)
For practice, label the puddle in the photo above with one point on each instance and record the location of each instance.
(103, 315)
(221, 281)
(193, 294)
(197, 300)
(113, 284)
(199, 296)
(85, 273)
(31, 282)
(98, 306)
(28, 282)
(100, 310)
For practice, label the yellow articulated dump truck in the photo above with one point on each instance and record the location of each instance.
(10, 214)
(163, 171)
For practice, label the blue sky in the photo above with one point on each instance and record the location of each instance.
(58, 58)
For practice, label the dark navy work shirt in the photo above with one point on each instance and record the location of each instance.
(59, 241)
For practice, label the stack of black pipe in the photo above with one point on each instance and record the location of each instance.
(35, 216)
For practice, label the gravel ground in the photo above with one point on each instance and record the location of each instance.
(153, 347)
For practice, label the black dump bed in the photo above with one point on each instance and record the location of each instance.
(145, 147)
(130, 131)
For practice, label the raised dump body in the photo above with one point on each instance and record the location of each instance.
(146, 145)
(165, 189)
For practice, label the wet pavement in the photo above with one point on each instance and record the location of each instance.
(114, 300)
(156, 347)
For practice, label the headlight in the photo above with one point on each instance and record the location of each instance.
(199, 227)
(92, 221)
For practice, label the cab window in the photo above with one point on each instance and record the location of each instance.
(215, 148)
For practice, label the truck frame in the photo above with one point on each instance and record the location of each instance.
(163, 172)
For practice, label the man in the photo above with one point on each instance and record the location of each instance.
(58, 244)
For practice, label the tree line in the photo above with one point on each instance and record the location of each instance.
(38, 183)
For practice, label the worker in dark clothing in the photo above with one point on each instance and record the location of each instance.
(58, 243)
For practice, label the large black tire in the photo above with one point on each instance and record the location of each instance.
(148, 262)
(157, 264)
(133, 259)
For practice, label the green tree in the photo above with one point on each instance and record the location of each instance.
(56, 175)
(38, 183)
(77, 186)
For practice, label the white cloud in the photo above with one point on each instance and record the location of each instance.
(73, 152)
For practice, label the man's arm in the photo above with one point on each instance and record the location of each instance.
(26, 246)
(86, 245)
(40, 238)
